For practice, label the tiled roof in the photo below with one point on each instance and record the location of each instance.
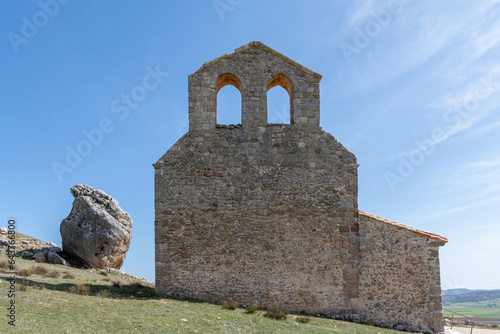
(409, 228)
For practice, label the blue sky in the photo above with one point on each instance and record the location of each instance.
(410, 87)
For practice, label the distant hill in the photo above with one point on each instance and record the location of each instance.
(465, 295)
(456, 291)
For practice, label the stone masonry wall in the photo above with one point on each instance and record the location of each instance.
(253, 69)
(267, 214)
(260, 217)
(399, 279)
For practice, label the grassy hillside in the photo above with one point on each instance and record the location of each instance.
(483, 304)
(47, 301)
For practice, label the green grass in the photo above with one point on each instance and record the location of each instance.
(47, 306)
(477, 309)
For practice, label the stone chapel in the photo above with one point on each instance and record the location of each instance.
(267, 214)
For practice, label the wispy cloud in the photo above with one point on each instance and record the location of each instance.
(377, 113)
(462, 113)
(417, 34)
(361, 10)
(483, 130)
(468, 186)
(474, 203)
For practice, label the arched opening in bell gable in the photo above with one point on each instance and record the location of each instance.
(228, 99)
(279, 100)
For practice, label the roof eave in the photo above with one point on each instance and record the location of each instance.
(431, 235)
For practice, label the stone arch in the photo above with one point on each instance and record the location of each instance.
(284, 81)
(227, 79)
(223, 80)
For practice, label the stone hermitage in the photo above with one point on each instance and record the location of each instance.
(267, 214)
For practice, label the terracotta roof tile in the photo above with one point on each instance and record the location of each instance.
(409, 228)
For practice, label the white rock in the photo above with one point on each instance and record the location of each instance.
(97, 230)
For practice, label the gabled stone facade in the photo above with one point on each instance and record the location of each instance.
(267, 214)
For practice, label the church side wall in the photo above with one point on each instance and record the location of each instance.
(399, 281)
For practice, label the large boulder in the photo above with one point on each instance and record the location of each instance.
(97, 230)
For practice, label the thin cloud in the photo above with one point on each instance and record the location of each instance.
(483, 130)
(412, 38)
(361, 11)
(463, 111)
(468, 186)
(461, 208)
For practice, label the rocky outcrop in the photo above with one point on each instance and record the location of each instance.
(50, 254)
(31, 248)
(97, 230)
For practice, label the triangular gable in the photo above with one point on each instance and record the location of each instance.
(260, 45)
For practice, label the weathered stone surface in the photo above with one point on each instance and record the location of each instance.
(40, 255)
(253, 69)
(97, 230)
(114, 271)
(54, 249)
(54, 258)
(399, 276)
(268, 213)
(26, 253)
(254, 221)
